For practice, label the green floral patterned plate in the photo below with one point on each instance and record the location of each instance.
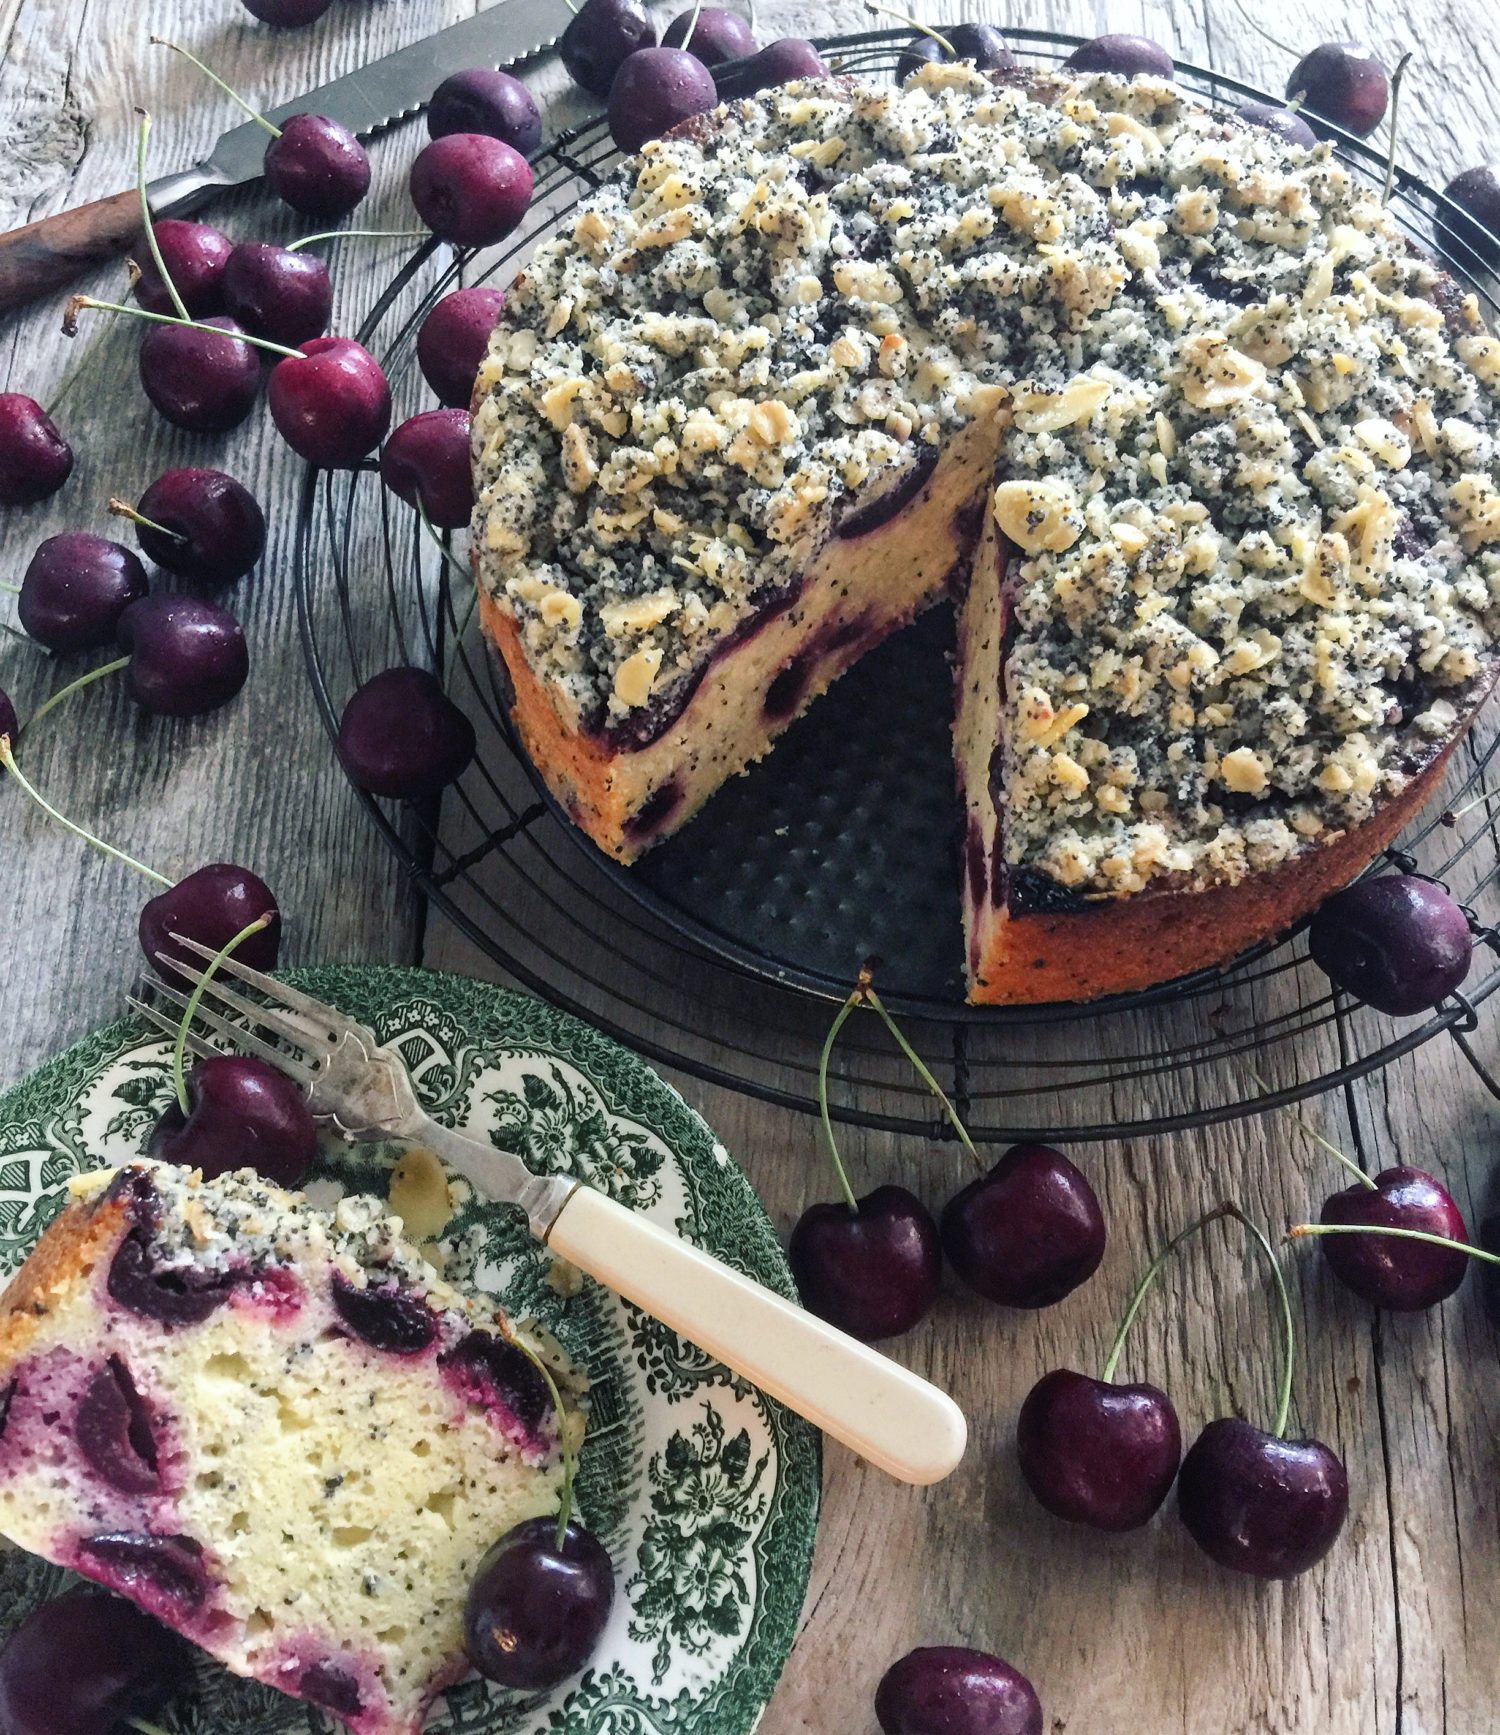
(705, 1493)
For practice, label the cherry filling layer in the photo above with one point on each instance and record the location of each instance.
(170, 1295)
(487, 1371)
(115, 1431)
(168, 1576)
(387, 1319)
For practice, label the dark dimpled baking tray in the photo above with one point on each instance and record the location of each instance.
(842, 843)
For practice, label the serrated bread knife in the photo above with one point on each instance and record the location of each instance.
(50, 253)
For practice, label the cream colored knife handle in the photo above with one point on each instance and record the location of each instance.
(890, 1416)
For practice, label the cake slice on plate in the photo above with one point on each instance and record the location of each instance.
(272, 1427)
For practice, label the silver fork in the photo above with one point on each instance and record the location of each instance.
(361, 1089)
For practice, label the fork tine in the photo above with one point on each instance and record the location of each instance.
(239, 1037)
(284, 1022)
(293, 998)
(169, 1027)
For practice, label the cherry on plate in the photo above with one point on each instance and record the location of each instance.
(873, 1271)
(1287, 125)
(332, 403)
(471, 190)
(318, 167)
(204, 381)
(483, 100)
(200, 524)
(187, 656)
(950, 1690)
(1098, 1453)
(656, 90)
(719, 35)
(1126, 56)
(401, 736)
(1403, 1276)
(281, 293)
(211, 905)
(1258, 1504)
(426, 459)
(1476, 192)
(780, 62)
(1397, 942)
(454, 339)
(242, 1114)
(599, 38)
(535, 1612)
(1343, 82)
(76, 588)
(195, 255)
(1027, 1233)
(35, 459)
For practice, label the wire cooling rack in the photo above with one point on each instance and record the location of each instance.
(738, 1004)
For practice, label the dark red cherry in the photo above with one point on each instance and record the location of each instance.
(204, 381)
(211, 905)
(1343, 82)
(453, 341)
(335, 1689)
(1027, 1233)
(1258, 1504)
(874, 1271)
(286, 14)
(599, 38)
(981, 43)
(492, 1372)
(1397, 942)
(187, 656)
(281, 293)
(948, 1690)
(160, 1293)
(656, 90)
(317, 167)
(242, 1114)
(919, 52)
(780, 62)
(76, 588)
(1287, 125)
(35, 460)
(535, 1612)
(332, 404)
(212, 529)
(166, 1575)
(427, 459)
(482, 100)
(114, 1431)
(1126, 56)
(1097, 1453)
(195, 255)
(388, 1319)
(470, 189)
(1476, 192)
(402, 736)
(85, 1664)
(719, 35)
(1404, 1276)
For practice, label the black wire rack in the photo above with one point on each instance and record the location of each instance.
(499, 860)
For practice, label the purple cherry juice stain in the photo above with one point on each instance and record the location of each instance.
(165, 1575)
(276, 1291)
(333, 1688)
(878, 513)
(655, 810)
(387, 1318)
(115, 1432)
(485, 1370)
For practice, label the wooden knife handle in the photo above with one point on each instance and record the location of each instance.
(50, 253)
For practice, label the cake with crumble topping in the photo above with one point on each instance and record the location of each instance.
(271, 1427)
(1203, 447)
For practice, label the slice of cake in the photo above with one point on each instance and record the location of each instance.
(273, 1428)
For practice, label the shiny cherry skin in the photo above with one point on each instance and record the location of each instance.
(332, 403)
(453, 341)
(1344, 83)
(35, 459)
(874, 1271)
(656, 90)
(1476, 192)
(76, 588)
(1027, 1233)
(211, 905)
(195, 255)
(317, 167)
(212, 528)
(402, 737)
(600, 37)
(9, 726)
(779, 62)
(1127, 56)
(1258, 1504)
(536, 1612)
(243, 1114)
(980, 43)
(427, 459)
(85, 1663)
(204, 381)
(471, 190)
(485, 101)
(1403, 1276)
(282, 293)
(919, 52)
(719, 35)
(287, 14)
(1287, 126)
(949, 1690)
(187, 656)
(1097, 1453)
(1397, 942)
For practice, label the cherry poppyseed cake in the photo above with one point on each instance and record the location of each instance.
(1203, 449)
(271, 1427)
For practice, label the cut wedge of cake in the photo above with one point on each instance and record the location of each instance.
(1233, 440)
(273, 1428)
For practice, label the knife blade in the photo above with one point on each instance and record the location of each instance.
(375, 96)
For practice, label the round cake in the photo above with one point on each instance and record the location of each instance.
(1202, 448)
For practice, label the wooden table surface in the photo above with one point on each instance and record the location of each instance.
(1397, 1630)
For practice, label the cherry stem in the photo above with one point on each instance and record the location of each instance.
(1288, 1325)
(147, 222)
(8, 760)
(923, 1072)
(441, 546)
(925, 30)
(145, 1728)
(692, 24)
(1133, 1307)
(99, 674)
(828, 1042)
(1454, 814)
(123, 509)
(14, 589)
(190, 1011)
(228, 89)
(79, 302)
(350, 234)
(1317, 1137)
(564, 1439)
(1390, 156)
(1297, 101)
(1299, 1230)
